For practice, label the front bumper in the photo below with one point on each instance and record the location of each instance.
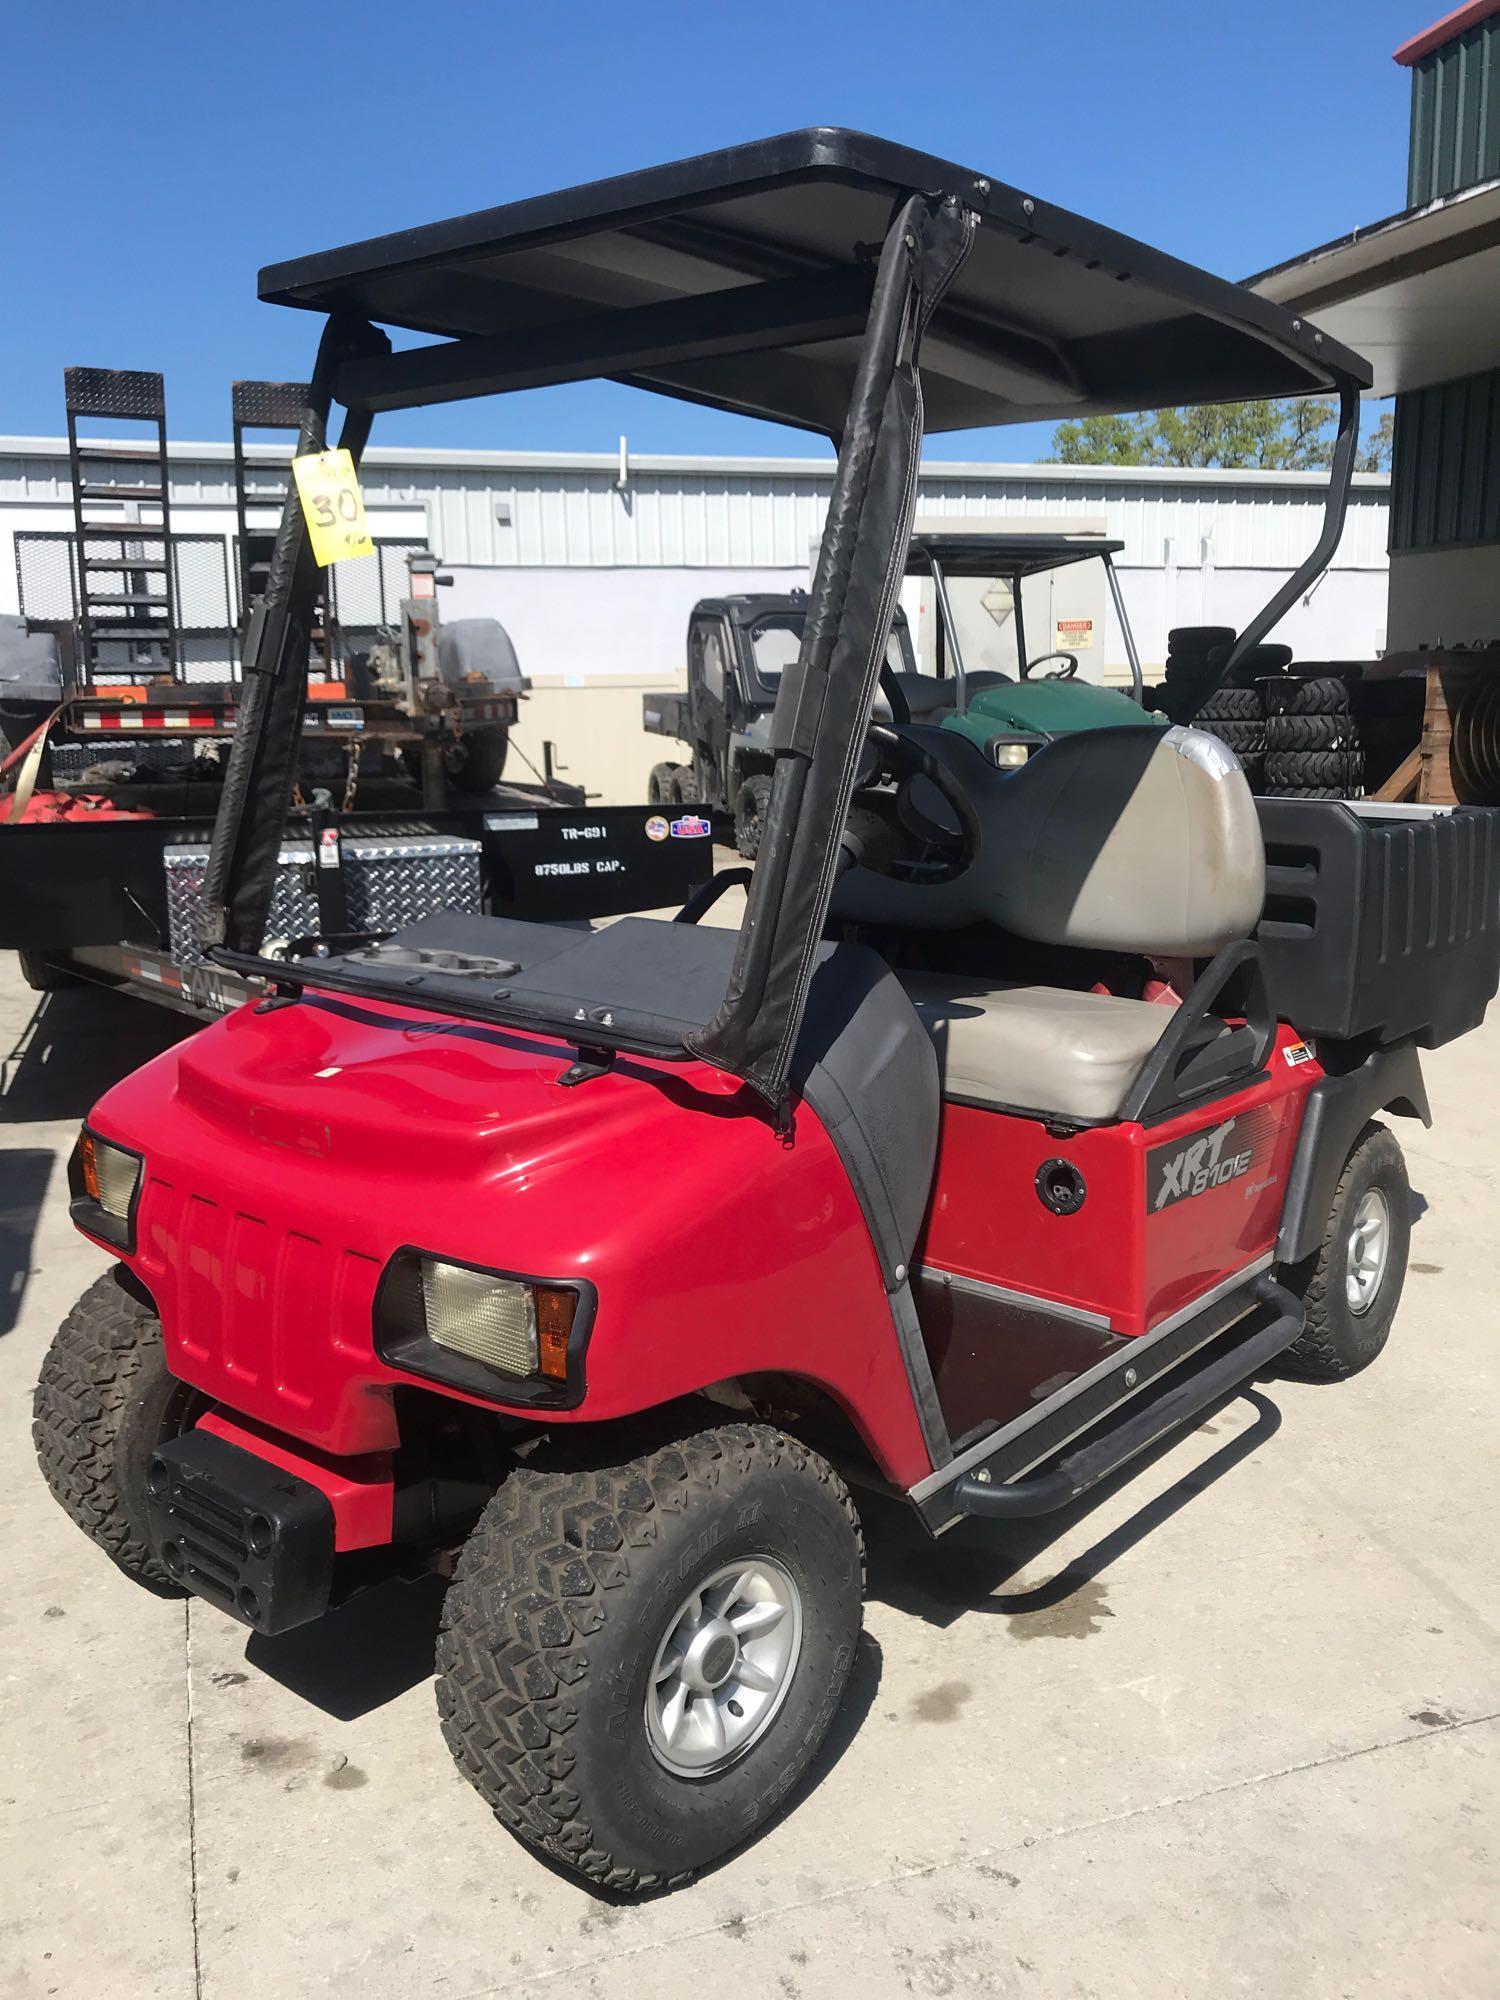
(249, 1537)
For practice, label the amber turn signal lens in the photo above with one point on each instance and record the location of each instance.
(89, 1161)
(555, 1308)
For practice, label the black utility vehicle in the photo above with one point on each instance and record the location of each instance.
(738, 648)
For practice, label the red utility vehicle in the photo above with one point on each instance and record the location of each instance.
(596, 1266)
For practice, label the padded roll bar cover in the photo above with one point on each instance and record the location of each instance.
(1138, 840)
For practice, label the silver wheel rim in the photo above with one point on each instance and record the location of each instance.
(1369, 1250)
(723, 1667)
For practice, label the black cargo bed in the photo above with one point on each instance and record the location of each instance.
(1381, 921)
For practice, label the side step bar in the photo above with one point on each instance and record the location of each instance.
(1195, 1385)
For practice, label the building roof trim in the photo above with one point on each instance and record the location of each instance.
(402, 458)
(1448, 29)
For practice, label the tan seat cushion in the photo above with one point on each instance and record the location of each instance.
(1035, 1048)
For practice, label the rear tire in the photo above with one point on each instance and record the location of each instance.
(1353, 1286)
(105, 1401)
(564, 1608)
(750, 814)
(659, 785)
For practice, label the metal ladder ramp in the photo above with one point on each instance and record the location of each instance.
(124, 568)
(269, 406)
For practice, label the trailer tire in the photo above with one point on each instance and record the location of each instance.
(1343, 1336)
(563, 1606)
(750, 814)
(105, 1400)
(39, 974)
(479, 769)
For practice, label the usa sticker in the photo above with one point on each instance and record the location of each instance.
(656, 827)
(692, 826)
(1297, 1052)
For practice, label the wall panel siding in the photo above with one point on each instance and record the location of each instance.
(542, 511)
(1445, 490)
(1455, 115)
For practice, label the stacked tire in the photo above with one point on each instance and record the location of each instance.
(1235, 716)
(1195, 655)
(1233, 710)
(1312, 745)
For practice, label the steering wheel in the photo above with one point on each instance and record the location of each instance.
(907, 757)
(1065, 672)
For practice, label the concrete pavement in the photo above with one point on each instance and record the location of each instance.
(1233, 1726)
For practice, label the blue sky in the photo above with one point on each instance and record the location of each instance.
(154, 158)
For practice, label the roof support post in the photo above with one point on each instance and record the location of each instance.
(1340, 474)
(262, 773)
(823, 706)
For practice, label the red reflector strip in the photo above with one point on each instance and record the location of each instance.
(178, 721)
(158, 975)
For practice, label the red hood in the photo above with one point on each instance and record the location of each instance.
(290, 1154)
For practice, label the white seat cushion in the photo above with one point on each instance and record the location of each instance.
(1036, 1048)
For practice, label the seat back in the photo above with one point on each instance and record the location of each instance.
(928, 697)
(1128, 840)
(1136, 840)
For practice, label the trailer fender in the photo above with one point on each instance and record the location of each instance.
(1338, 1108)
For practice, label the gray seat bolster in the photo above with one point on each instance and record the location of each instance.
(870, 1073)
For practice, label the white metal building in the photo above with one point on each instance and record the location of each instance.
(593, 561)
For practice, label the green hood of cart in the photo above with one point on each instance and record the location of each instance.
(1046, 709)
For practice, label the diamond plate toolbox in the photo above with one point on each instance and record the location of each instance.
(294, 898)
(392, 877)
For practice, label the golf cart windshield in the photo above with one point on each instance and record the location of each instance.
(776, 641)
(826, 280)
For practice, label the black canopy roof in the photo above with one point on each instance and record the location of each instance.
(741, 279)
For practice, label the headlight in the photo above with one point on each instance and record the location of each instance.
(492, 1320)
(1010, 756)
(105, 1180)
(491, 1332)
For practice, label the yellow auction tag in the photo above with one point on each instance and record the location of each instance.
(332, 506)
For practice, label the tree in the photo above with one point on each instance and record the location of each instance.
(1376, 456)
(1099, 441)
(1292, 436)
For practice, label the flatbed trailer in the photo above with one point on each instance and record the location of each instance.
(111, 901)
(114, 738)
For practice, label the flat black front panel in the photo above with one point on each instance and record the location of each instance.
(99, 884)
(994, 1359)
(86, 884)
(600, 862)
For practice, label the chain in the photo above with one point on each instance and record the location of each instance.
(351, 778)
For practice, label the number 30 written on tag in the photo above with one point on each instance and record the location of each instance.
(332, 506)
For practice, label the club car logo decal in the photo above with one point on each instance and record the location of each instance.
(656, 827)
(1210, 1159)
(692, 826)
